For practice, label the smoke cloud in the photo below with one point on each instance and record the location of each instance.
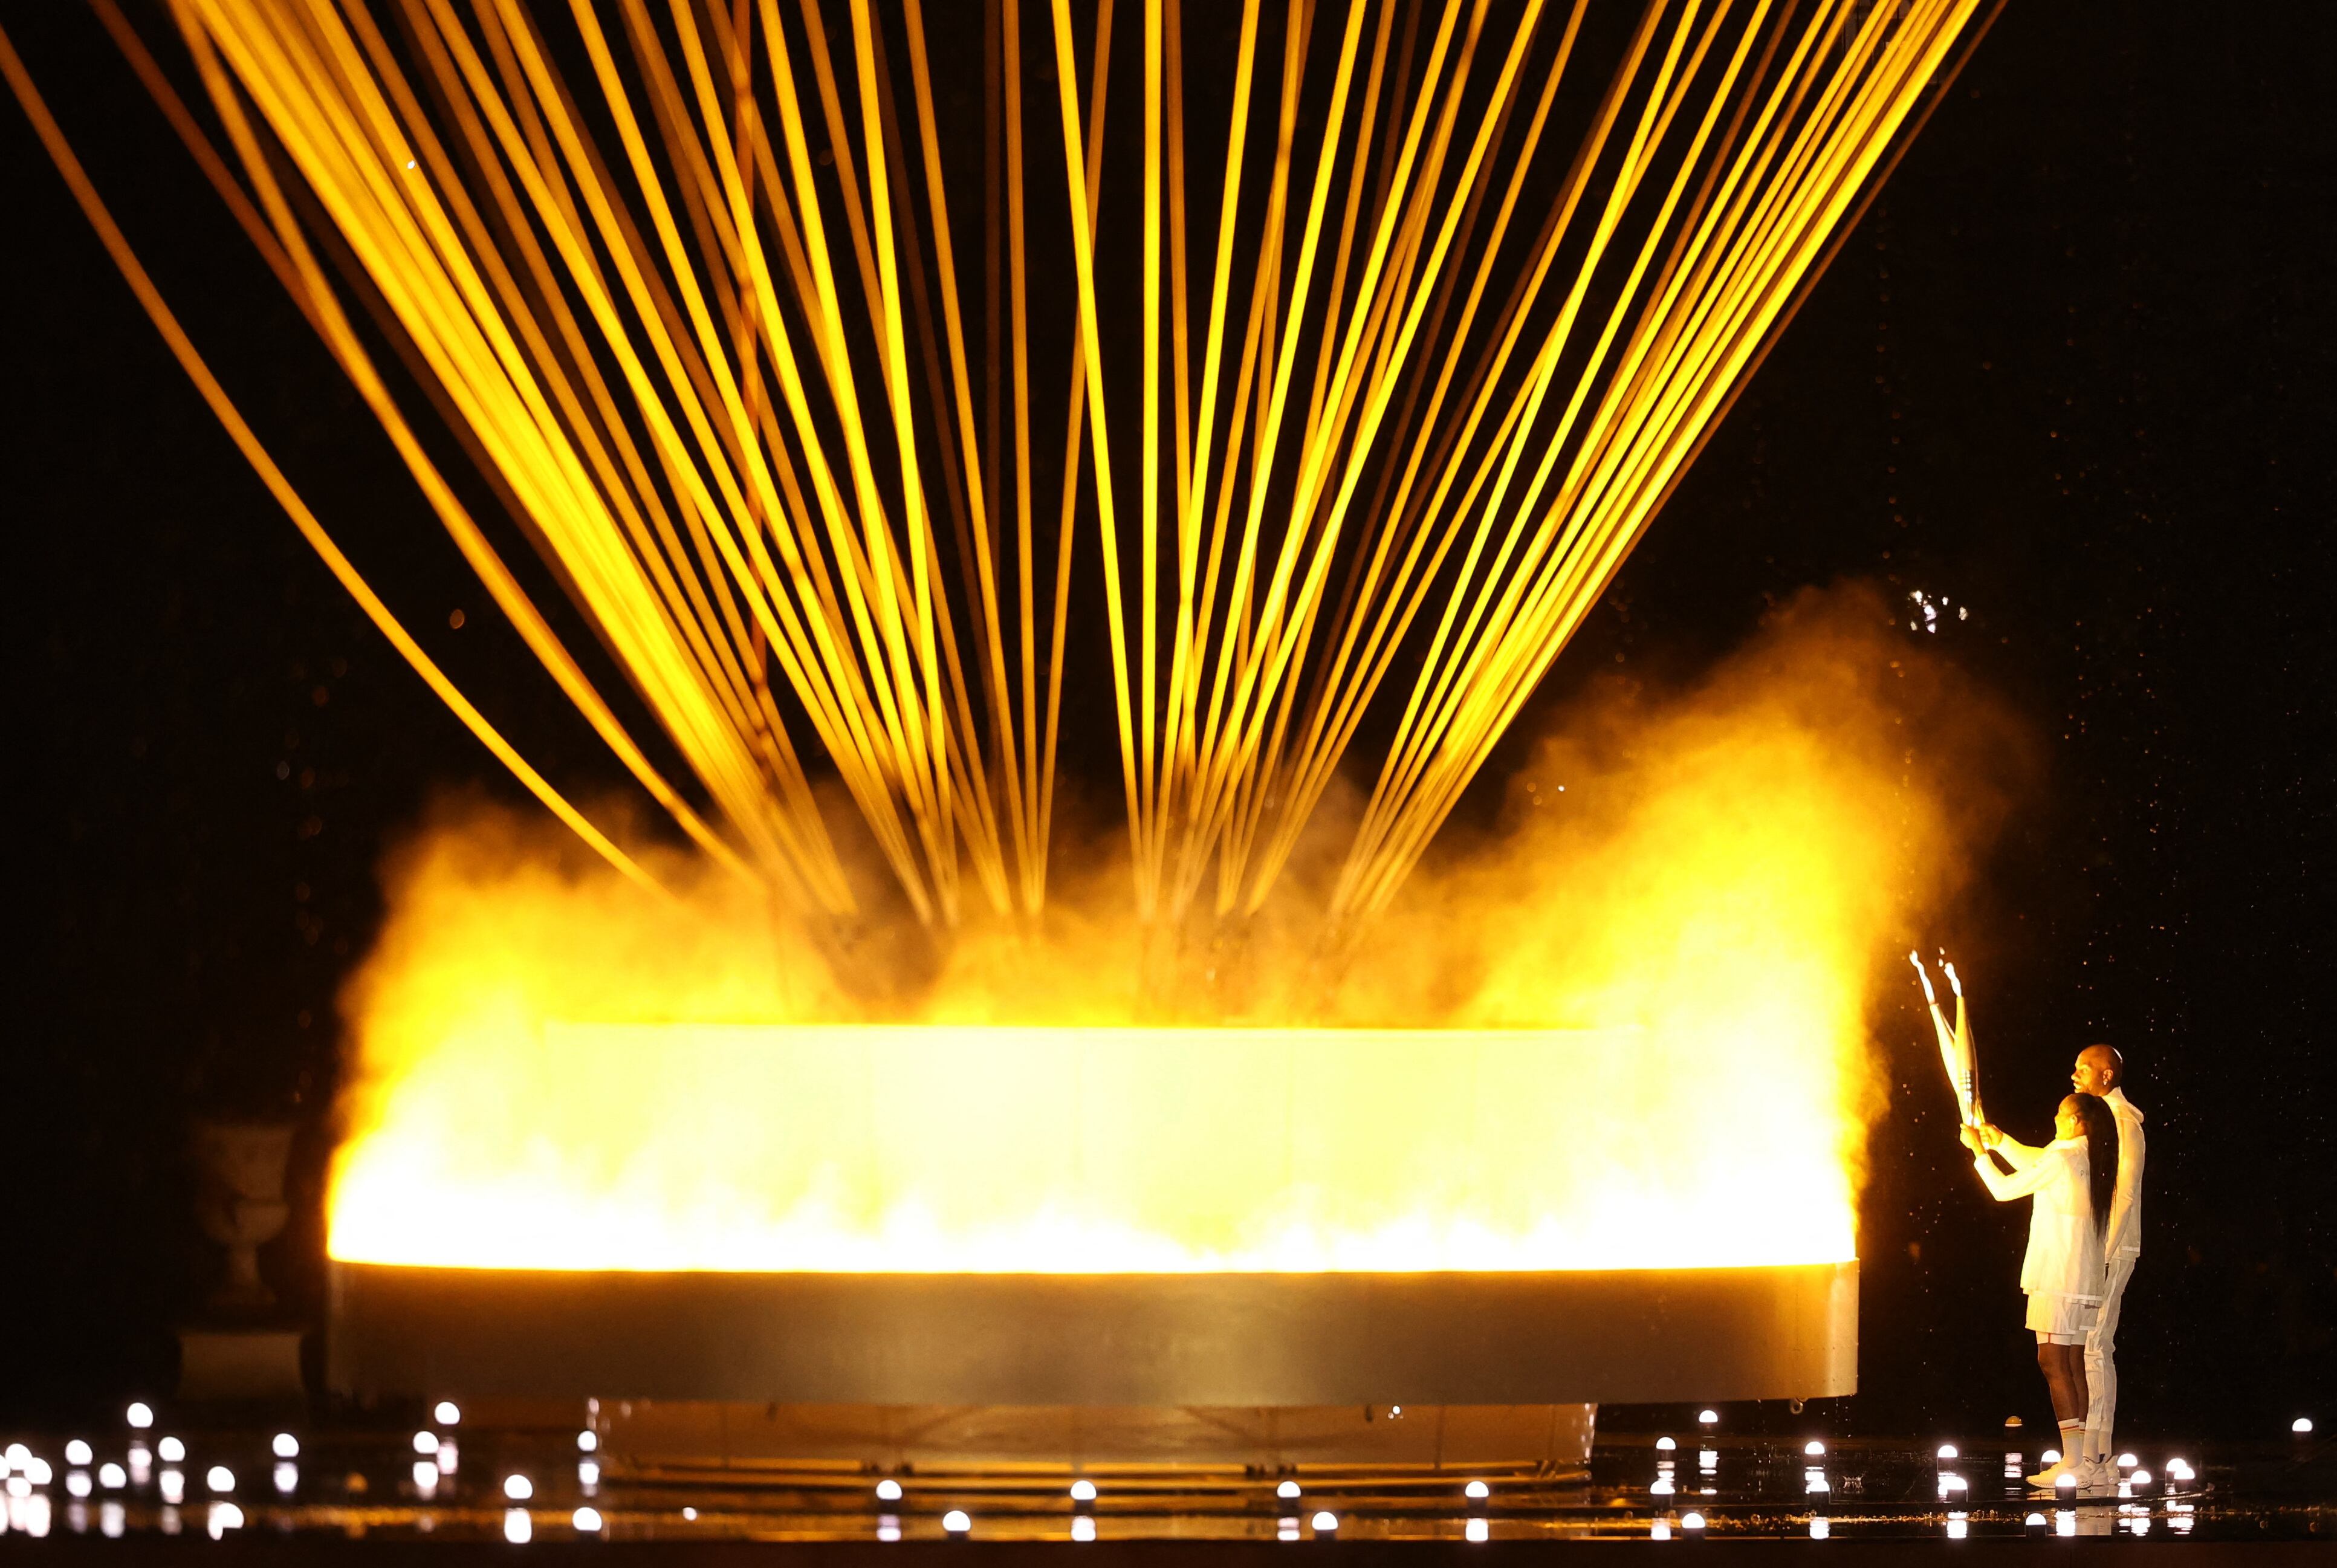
(1712, 882)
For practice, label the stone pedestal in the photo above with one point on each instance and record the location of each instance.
(242, 1351)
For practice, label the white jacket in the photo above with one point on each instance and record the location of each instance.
(2125, 1209)
(2064, 1250)
(2123, 1238)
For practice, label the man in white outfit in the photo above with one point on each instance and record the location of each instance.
(2101, 1070)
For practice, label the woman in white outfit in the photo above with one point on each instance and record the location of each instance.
(2070, 1184)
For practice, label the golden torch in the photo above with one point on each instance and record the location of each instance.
(1955, 1043)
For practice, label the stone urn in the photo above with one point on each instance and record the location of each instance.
(239, 1202)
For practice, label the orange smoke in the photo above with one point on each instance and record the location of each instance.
(1626, 1026)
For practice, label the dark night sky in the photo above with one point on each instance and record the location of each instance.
(2073, 370)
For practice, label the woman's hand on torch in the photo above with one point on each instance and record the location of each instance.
(1972, 1137)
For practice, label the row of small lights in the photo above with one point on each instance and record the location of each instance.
(27, 1471)
(958, 1521)
(2175, 1469)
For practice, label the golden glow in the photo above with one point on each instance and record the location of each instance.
(1656, 996)
(942, 1148)
(1637, 1035)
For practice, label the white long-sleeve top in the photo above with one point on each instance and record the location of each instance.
(2123, 1236)
(2064, 1250)
(2126, 1208)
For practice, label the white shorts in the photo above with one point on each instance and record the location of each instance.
(2062, 1319)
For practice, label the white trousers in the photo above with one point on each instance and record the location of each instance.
(2101, 1360)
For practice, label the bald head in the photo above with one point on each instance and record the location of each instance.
(2100, 1070)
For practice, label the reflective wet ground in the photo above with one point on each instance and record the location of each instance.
(443, 1480)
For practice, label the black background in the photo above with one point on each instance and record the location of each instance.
(2072, 371)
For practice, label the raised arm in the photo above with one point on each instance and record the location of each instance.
(2019, 1155)
(2129, 1183)
(2004, 1188)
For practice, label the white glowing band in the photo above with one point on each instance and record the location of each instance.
(1054, 1150)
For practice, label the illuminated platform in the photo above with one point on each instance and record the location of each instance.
(1093, 1218)
(1633, 1335)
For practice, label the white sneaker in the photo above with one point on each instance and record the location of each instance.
(2097, 1478)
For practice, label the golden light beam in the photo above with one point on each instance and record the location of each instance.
(657, 352)
(223, 407)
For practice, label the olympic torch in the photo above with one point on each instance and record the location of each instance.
(1955, 1043)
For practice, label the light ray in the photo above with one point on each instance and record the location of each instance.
(1362, 470)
